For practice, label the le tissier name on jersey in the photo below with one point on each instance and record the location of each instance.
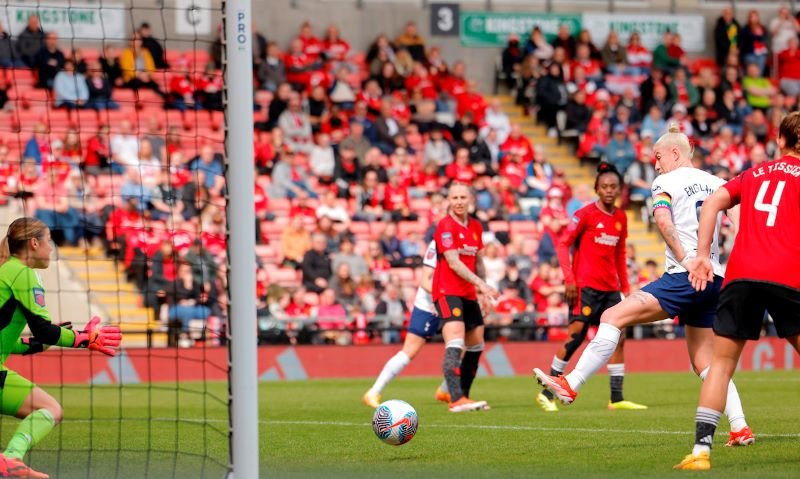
(792, 170)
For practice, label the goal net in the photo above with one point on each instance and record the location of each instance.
(112, 133)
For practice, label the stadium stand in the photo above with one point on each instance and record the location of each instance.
(356, 145)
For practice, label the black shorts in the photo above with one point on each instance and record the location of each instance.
(591, 304)
(742, 304)
(456, 308)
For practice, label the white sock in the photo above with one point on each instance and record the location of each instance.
(558, 365)
(597, 353)
(393, 367)
(443, 387)
(616, 369)
(733, 405)
(698, 448)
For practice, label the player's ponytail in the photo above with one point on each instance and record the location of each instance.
(675, 137)
(4, 252)
(604, 168)
(20, 231)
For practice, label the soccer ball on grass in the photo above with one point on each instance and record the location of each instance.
(395, 422)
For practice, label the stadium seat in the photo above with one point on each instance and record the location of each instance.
(360, 229)
(286, 277)
(405, 275)
(404, 228)
(496, 226)
(528, 229)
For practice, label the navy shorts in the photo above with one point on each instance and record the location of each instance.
(423, 323)
(678, 298)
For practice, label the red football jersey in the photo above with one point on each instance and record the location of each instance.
(467, 240)
(599, 257)
(767, 247)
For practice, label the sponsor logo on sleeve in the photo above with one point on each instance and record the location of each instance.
(447, 240)
(38, 296)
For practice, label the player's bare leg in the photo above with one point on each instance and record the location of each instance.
(638, 308)
(713, 396)
(699, 342)
(394, 366)
(40, 413)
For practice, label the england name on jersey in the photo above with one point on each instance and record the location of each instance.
(683, 191)
(423, 301)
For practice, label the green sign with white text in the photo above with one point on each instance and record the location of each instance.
(491, 29)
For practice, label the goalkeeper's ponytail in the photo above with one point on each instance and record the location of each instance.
(20, 231)
(4, 252)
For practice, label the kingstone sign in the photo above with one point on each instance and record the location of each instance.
(491, 29)
(73, 20)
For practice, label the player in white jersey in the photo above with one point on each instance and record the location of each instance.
(678, 194)
(423, 325)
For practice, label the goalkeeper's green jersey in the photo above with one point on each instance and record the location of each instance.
(22, 303)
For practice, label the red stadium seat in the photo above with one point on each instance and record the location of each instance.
(496, 226)
(404, 228)
(406, 276)
(285, 277)
(527, 229)
(360, 229)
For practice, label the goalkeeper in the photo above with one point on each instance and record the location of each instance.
(27, 246)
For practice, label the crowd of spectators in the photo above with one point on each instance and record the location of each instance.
(353, 151)
(619, 98)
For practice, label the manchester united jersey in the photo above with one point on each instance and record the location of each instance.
(466, 239)
(599, 257)
(767, 247)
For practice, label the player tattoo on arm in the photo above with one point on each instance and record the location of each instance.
(480, 268)
(460, 268)
(669, 232)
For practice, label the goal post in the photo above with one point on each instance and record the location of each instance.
(238, 67)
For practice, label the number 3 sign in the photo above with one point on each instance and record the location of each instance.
(444, 19)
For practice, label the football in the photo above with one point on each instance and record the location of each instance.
(395, 422)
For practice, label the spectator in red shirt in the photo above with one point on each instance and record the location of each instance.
(312, 46)
(334, 47)
(460, 170)
(471, 100)
(396, 201)
(299, 65)
(422, 81)
(789, 67)
(180, 94)
(519, 142)
(98, 152)
(591, 66)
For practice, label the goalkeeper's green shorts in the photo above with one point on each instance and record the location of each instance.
(14, 389)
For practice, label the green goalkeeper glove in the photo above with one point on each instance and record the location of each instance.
(105, 339)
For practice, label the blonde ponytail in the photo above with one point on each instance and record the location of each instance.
(675, 137)
(4, 251)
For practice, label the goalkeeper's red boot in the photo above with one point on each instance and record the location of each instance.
(15, 468)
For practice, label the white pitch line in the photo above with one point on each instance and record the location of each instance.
(510, 428)
(279, 422)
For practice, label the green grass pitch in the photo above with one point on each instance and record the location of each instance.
(320, 429)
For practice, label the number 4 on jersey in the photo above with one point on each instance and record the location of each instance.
(772, 207)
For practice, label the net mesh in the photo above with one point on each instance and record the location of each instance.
(119, 149)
